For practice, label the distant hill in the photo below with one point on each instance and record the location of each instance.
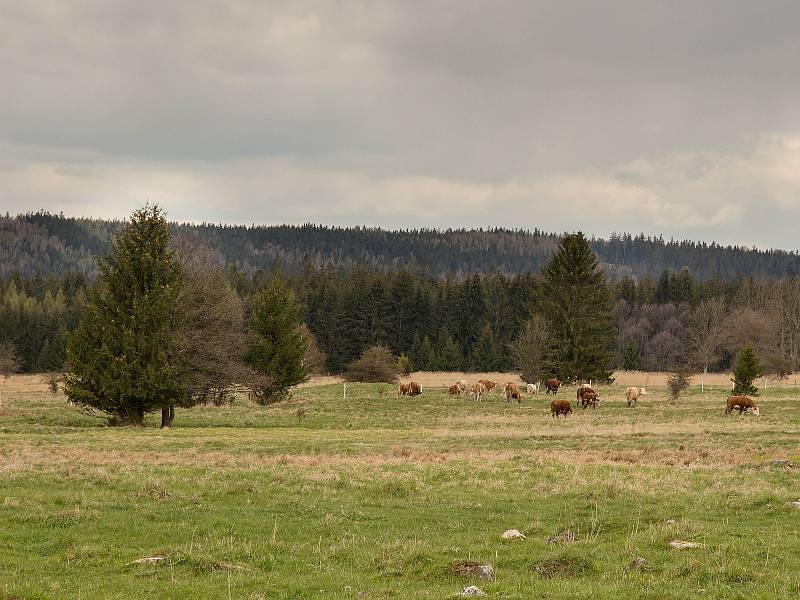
(53, 244)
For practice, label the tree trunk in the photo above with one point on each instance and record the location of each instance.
(167, 416)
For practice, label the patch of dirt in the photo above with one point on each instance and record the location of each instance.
(563, 566)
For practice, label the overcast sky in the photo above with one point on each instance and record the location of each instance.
(681, 118)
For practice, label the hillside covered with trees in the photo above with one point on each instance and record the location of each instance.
(53, 245)
(351, 298)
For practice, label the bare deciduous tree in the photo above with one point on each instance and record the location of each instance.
(707, 334)
(209, 333)
(314, 359)
(531, 351)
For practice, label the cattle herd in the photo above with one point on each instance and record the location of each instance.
(585, 395)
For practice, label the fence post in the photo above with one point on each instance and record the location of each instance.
(344, 391)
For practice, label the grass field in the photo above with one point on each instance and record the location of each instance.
(377, 497)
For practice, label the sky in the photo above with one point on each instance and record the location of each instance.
(679, 118)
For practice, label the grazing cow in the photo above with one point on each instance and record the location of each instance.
(512, 393)
(403, 389)
(560, 407)
(743, 403)
(414, 389)
(552, 386)
(533, 388)
(477, 390)
(590, 399)
(633, 393)
(488, 384)
(462, 384)
(583, 389)
(455, 390)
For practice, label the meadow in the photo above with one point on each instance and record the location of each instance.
(379, 497)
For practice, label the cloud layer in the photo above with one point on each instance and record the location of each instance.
(675, 118)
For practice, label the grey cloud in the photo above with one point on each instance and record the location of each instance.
(633, 115)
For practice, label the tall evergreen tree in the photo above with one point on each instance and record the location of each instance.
(277, 347)
(575, 299)
(449, 355)
(119, 355)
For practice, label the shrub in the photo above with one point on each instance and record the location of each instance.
(375, 365)
(404, 365)
(746, 369)
(677, 383)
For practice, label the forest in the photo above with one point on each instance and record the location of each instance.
(458, 323)
(47, 244)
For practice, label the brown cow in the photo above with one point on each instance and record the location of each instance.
(560, 407)
(586, 396)
(590, 398)
(488, 384)
(403, 389)
(455, 390)
(414, 389)
(512, 393)
(743, 403)
(477, 390)
(552, 385)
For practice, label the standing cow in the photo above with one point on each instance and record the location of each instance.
(414, 388)
(403, 389)
(552, 386)
(586, 396)
(477, 390)
(632, 394)
(743, 403)
(488, 384)
(454, 390)
(512, 393)
(560, 407)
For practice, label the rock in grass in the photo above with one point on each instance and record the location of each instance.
(513, 534)
(795, 504)
(470, 568)
(680, 545)
(565, 537)
(639, 564)
(472, 590)
(780, 463)
(148, 560)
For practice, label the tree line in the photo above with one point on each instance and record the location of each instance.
(54, 245)
(453, 323)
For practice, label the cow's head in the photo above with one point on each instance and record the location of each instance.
(754, 411)
(642, 392)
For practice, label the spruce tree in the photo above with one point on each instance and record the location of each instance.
(632, 357)
(575, 299)
(119, 354)
(424, 358)
(486, 356)
(277, 347)
(449, 355)
(746, 369)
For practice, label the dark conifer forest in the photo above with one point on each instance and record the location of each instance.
(449, 300)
